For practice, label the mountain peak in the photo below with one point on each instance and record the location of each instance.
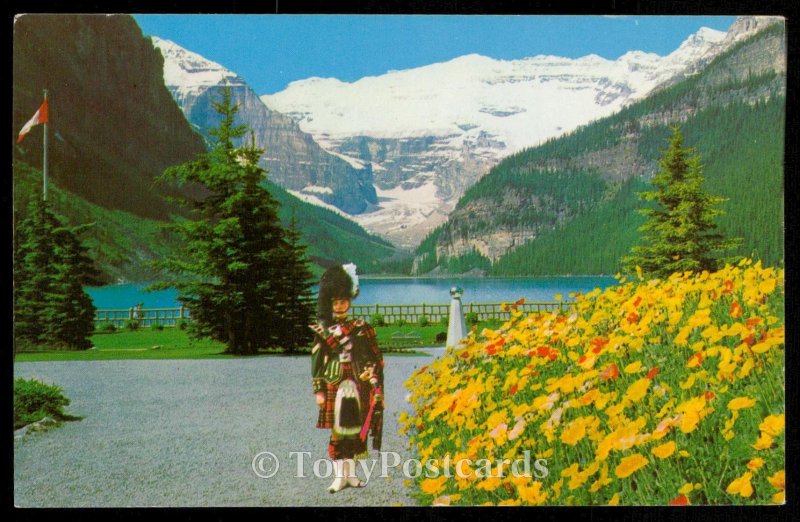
(188, 71)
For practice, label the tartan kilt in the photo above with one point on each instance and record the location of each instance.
(326, 411)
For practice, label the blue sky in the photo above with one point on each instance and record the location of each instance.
(270, 51)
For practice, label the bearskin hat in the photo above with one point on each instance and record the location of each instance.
(338, 282)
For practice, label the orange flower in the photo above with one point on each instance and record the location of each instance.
(695, 360)
(652, 373)
(680, 500)
(633, 317)
(630, 465)
(727, 287)
(611, 372)
(736, 310)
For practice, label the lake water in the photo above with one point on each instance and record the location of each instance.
(393, 291)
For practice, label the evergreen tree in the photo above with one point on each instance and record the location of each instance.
(51, 266)
(34, 254)
(73, 307)
(679, 233)
(231, 272)
(298, 298)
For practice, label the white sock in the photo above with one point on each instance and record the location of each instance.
(350, 473)
(341, 477)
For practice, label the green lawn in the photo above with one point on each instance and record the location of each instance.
(172, 343)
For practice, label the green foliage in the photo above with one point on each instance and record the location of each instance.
(471, 318)
(107, 327)
(423, 320)
(51, 266)
(377, 320)
(571, 250)
(132, 324)
(680, 234)
(34, 400)
(239, 271)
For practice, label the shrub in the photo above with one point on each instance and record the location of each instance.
(182, 324)
(377, 320)
(158, 326)
(132, 324)
(107, 327)
(424, 321)
(444, 321)
(34, 400)
(471, 318)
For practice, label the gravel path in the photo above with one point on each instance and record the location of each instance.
(186, 432)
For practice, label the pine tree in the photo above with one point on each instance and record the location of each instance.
(51, 267)
(230, 274)
(33, 275)
(73, 307)
(298, 298)
(680, 233)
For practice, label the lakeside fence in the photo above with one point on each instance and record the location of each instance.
(391, 313)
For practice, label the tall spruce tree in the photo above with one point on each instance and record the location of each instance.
(51, 267)
(72, 305)
(297, 290)
(231, 272)
(679, 234)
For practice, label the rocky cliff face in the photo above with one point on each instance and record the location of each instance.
(113, 124)
(292, 157)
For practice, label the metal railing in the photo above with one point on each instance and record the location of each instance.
(388, 313)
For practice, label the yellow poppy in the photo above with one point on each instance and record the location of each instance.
(741, 486)
(740, 403)
(772, 425)
(665, 450)
(629, 465)
(778, 480)
(433, 486)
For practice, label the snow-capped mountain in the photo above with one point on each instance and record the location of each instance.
(429, 133)
(292, 157)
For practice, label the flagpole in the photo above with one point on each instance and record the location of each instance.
(44, 158)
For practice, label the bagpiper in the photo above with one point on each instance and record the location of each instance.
(347, 376)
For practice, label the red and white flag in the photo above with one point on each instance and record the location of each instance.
(39, 117)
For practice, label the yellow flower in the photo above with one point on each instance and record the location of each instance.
(433, 486)
(741, 486)
(532, 495)
(637, 390)
(614, 500)
(741, 403)
(489, 484)
(686, 489)
(772, 425)
(778, 480)
(779, 497)
(573, 433)
(630, 464)
(755, 464)
(764, 441)
(633, 367)
(665, 450)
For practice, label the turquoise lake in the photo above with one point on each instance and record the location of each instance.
(392, 291)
